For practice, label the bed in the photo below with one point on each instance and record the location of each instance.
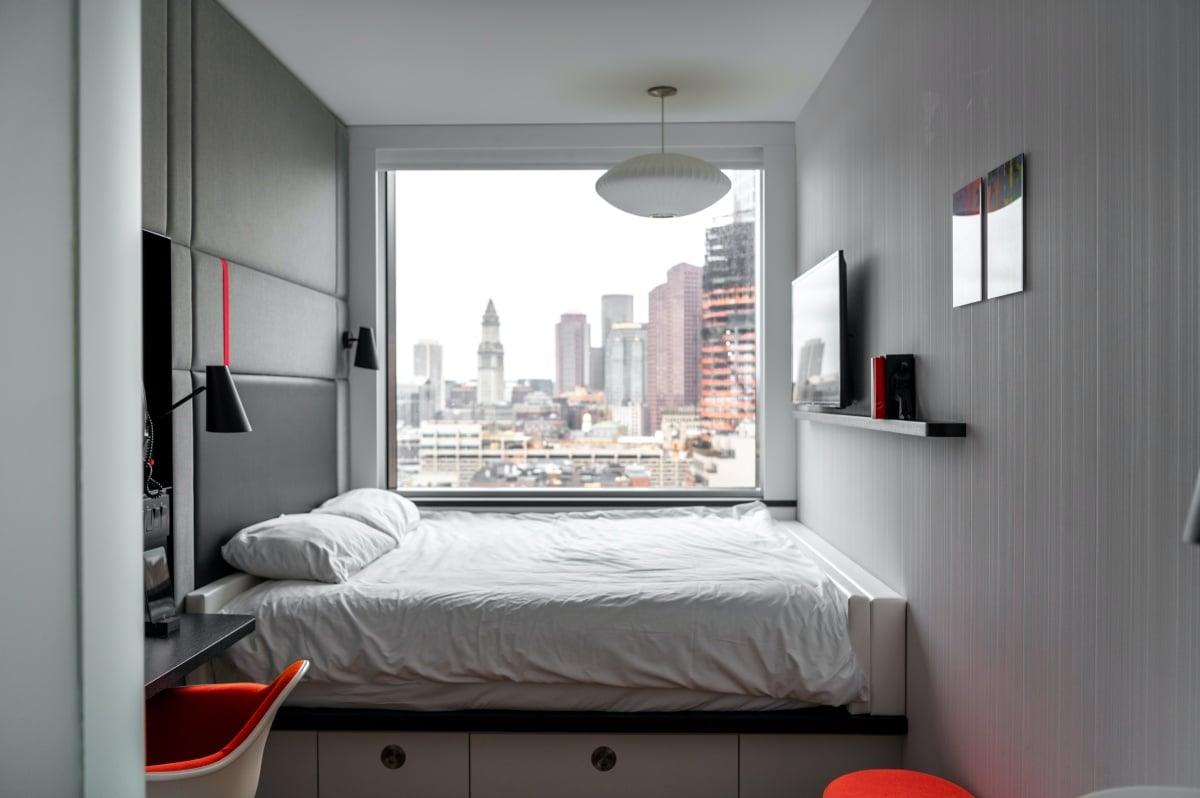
(675, 610)
(713, 653)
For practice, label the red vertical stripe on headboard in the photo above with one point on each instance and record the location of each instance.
(225, 304)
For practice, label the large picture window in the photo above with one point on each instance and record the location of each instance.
(543, 340)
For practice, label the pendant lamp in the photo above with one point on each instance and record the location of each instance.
(664, 184)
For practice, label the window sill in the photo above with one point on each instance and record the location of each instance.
(510, 500)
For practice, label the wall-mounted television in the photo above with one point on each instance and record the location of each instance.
(820, 368)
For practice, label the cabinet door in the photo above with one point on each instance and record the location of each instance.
(801, 765)
(393, 764)
(289, 766)
(603, 765)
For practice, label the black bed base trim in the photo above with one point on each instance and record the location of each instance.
(819, 720)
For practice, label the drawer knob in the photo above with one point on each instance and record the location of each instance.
(392, 757)
(604, 758)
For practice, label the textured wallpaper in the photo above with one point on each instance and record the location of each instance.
(1054, 628)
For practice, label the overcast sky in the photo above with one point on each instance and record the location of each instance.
(539, 244)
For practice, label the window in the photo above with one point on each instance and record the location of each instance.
(545, 341)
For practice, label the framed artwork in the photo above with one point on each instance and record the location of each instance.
(1005, 197)
(966, 233)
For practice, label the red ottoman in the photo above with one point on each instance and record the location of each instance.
(892, 784)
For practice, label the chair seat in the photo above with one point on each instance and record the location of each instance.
(892, 784)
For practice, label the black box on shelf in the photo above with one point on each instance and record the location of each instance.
(900, 376)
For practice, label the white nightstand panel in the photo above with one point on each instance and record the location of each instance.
(642, 766)
(801, 765)
(431, 765)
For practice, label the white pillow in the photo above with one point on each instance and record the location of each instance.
(319, 547)
(385, 510)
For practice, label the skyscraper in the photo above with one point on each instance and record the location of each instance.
(673, 342)
(491, 359)
(596, 368)
(572, 350)
(427, 409)
(614, 309)
(427, 363)
(625, 364)
(728, 355)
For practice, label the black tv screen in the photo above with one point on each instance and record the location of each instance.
(819, 368)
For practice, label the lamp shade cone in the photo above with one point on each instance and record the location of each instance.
(364, 355)
(223, 410)
(662, 185)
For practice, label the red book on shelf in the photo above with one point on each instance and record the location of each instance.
(878, 389)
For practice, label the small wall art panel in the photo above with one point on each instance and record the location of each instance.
(1006, 228)
(966, 235)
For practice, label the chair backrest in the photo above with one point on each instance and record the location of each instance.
(233, 771)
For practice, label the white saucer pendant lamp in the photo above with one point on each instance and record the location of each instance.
(665, 184)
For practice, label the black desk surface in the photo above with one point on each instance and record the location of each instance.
(199, 639)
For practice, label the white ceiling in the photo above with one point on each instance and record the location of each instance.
(403, 62)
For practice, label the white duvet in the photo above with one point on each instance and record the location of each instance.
(709, 601)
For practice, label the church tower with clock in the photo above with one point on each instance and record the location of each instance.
(491, 359)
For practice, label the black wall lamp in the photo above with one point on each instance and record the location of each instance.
(364, 356)
(223, 411)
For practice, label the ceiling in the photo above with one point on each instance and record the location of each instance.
(406, 62)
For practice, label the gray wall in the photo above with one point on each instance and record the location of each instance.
(1055, 617)
(241, 161)
(71, 694)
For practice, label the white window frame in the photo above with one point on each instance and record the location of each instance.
(376, 151)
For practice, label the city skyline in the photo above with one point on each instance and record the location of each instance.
(422, 349)
(670, 401)
(561, 249)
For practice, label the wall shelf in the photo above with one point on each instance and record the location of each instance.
(921, 429)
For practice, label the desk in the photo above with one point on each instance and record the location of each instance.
(199, 639)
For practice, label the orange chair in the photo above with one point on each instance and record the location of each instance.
(207, 740)
(892, 784)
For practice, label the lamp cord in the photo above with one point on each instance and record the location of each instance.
(152, 487)
(662, 125)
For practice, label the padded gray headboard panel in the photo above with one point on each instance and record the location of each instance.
(154, 117)
(286, 465)
(277, 327)
(273, 203)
